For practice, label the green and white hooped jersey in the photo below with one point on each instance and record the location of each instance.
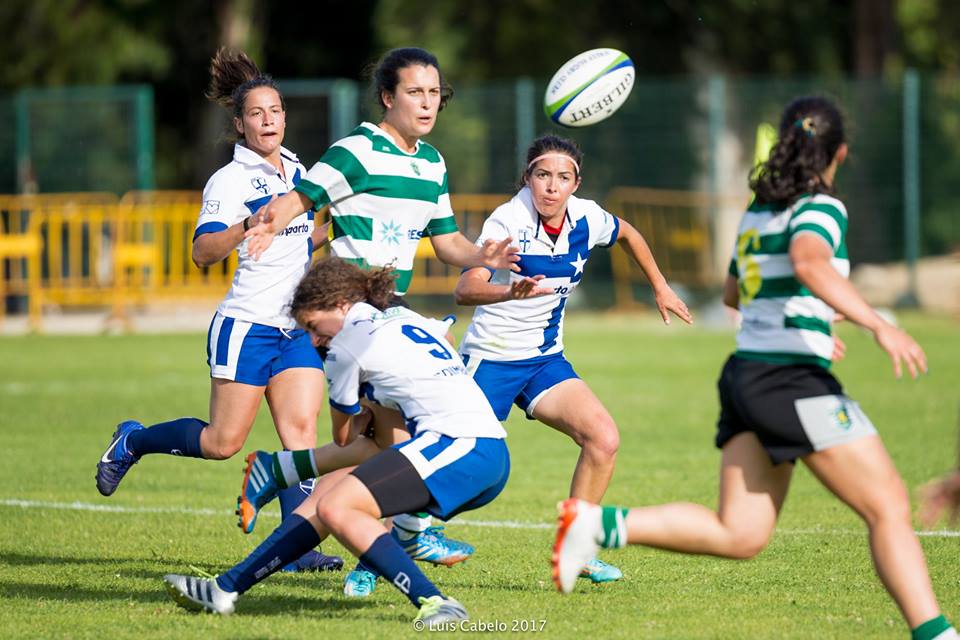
(382, 199)
(782, 321)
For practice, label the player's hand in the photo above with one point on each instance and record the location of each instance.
(527, 287)
(260, 237)
(500, 255)
(902, 349)
(669, 302)
(939, 496)
(839, 349)
(362, 423)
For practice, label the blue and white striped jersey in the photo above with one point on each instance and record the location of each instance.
(521, 329)
(401, 360)
(261, 290)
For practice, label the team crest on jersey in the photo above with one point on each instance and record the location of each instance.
(413, 165)
(524, 240)
(841, 416)
(260, 184)
(211, 207)
(390, 232)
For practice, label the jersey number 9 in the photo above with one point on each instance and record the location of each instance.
(420, 336)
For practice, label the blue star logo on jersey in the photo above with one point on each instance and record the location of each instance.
(390, 232)
(260, 184)
(578, 265)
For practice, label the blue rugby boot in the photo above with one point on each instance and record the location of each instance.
(117, 459)
(360, 582)
(315, 560)
(433, 546)
(259, 488)
(599, 571)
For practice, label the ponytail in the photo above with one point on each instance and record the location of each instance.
(811, 131)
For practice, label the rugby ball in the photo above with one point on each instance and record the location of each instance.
(589, 88)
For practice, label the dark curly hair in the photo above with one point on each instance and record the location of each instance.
(233, 75)
(385, 74)
(333, 281)
(811, 131)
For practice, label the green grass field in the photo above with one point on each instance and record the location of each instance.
(69, 570)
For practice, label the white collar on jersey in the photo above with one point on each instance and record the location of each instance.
(244, 155)
(377, 131)
(525, 197)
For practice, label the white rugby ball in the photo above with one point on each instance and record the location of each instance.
(589, 87)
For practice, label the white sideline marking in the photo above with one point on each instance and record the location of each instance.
(493, 524)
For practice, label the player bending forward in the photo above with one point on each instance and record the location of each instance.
(457, 459)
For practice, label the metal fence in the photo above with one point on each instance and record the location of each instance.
(97, 250)
(698, 134)
(674, 161)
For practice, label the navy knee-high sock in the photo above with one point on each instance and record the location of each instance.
(393, 563)
(180, 437)
(294, 537)
(291, 498)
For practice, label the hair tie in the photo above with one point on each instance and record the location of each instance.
(554, 155)
(806, 125)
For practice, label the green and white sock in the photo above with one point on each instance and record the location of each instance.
(934, 629)
(290, 467)
(408, 525)
(614, 520)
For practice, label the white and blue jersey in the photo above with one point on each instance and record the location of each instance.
(530, 328)
(252, 336)
(401, 360)
(261, 290)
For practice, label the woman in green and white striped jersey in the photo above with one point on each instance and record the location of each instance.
(387, 188)
(778, 400)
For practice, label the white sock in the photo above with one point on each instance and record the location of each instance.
(408, 525)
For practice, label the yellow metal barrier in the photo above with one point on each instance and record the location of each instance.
(20, 245)
(57, 255)
(676, 224)
(95, 250)
(152, 259)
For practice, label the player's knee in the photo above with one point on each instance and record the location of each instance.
(888, 509)
(329, 513)
(603, 438)
(298, 434)
(223, 449)
(747, 543)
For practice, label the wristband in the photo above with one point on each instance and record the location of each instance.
(246, 224)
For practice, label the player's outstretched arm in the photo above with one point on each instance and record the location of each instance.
(211, 248)
(810, 256)
(320, 235)
(474, 287)
(454, 249)
(274, 217)
(667, 301)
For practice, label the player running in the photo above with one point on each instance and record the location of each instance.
(778, 400)
(254, 348)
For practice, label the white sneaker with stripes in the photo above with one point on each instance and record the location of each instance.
(200, 594)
